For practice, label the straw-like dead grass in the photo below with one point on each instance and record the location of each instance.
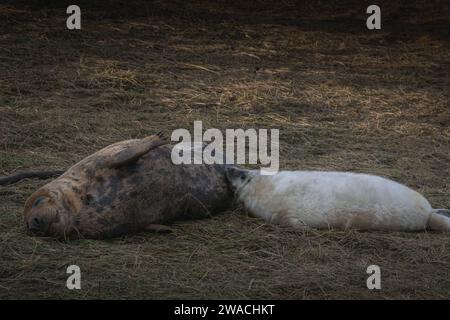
(343, 98)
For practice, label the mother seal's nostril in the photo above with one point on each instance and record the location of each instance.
(36, 224)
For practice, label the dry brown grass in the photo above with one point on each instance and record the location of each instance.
(343, 99)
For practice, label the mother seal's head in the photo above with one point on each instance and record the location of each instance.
(47, 212)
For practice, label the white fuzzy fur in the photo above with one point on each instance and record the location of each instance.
(337, 200)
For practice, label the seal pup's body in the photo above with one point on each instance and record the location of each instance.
(126, 187)
(337, 200)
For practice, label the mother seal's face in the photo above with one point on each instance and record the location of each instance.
(46, 214)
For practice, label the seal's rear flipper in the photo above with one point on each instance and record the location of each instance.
(158, 228)
(31, 174)
(443, 212)
(159, 134)
(438, 221)
(131, 153)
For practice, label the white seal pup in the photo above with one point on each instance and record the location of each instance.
(337, 200)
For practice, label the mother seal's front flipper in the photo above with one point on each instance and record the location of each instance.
(158, 228)
(130, 153)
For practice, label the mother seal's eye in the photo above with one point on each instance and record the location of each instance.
(38, 201)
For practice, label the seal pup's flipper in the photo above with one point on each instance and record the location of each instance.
(442, 212)
(132, 153)
(158, 228)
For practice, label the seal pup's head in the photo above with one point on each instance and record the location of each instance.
(238, 178)
(47, 213)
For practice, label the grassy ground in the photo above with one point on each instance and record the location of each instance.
(343, 97)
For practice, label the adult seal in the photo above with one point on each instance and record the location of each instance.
(127, 187)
